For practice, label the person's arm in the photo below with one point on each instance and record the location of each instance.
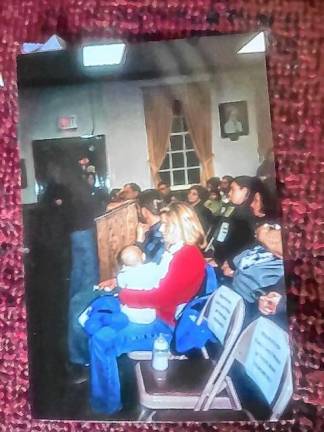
(108, 284)
(210, 218)
(227, 269)
(240, 237)
(141, 233)
(282, 306)
(186, 267)
(153, 246)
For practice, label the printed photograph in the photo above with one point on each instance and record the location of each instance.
(154, 268)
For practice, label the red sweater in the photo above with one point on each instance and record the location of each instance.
(181, 283)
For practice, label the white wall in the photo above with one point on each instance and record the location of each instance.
(234, 157)
(119, 115)
(126, 135)
(259, 79)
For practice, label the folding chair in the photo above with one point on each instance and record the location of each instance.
(263, 352)
(187, 384)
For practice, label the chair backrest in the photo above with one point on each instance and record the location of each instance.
(210, 281)
(208, 286)
(263, 350)
(266, 361)
(225, 314)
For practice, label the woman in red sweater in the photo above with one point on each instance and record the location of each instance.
(183, 236)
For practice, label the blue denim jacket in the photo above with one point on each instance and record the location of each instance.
(153, 245)
(256, 269)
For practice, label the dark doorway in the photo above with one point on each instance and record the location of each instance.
(48, 270)
(61, 155)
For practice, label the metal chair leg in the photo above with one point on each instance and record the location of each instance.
(144, 414)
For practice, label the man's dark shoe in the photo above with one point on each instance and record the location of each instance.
(78, 374)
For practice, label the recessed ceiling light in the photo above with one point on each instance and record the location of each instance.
(103, 55)
(255, 45)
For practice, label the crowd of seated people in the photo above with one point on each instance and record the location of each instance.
(231, 225)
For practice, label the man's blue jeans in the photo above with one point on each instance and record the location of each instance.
(84, 271)
(84, 274)
(105, 346)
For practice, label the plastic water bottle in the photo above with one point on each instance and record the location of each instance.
(160, 360)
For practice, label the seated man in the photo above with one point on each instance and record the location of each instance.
(130, 191)
(149, 236)
(165, 192)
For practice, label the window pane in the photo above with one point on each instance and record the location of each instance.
(185, 127)
(177, 124)
(192, 159)
(194, 175)
(166, 163)
(165, 176)
(176, 142)
(177, 160)
(188, 142)
(178, 177)
(176, 108)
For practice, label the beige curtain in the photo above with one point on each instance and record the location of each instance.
(196, 104)
(158, 118)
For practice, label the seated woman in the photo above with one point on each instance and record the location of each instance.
(274, 301)
(259, 275)
(214, 202)
(235, 227)
(183, 237)
(264, 208)
(197, 195)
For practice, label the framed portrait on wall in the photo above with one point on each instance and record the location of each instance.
(234, 121)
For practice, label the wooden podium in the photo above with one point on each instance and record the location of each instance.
(115, 230)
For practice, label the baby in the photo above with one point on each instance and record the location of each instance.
(106, 310)
(136, 275)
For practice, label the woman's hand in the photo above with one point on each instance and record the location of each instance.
(108, 284)
(268, 303)
(211, 262)
(227, 270)
(141, 230)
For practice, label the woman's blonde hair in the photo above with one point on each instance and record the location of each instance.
(185, 219)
